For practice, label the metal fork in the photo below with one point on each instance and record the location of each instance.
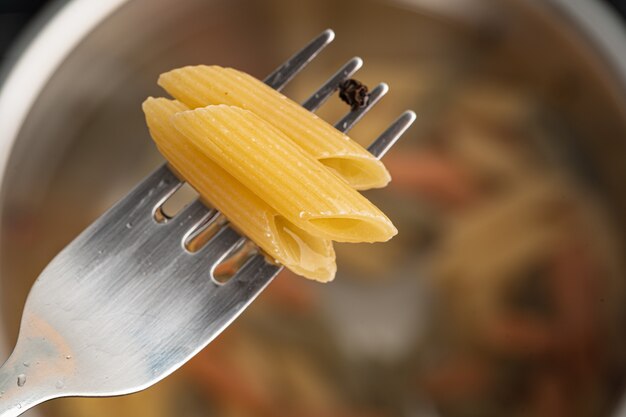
(126, 303)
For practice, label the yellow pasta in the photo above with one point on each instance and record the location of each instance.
(199, 86)
(282, 174)
(303, 253)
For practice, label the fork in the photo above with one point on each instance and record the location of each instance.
(127, 303)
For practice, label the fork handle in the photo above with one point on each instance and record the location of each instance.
(16, 395)
(26, 382)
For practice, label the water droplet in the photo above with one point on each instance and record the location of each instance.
(26, 364)
(60, 384)
(21, 380)
(19, 405)
(129, 225)
(302, 214)
(68, 357)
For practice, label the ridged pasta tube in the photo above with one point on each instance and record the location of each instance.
(303, 253)
(199, 86)
(283, 175)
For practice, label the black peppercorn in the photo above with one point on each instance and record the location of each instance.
(354, 93)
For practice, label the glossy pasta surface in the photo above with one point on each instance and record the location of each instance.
(283, 177)
(303, 253)
(199, 86)
(298, 186)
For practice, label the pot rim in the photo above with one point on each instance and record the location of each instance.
(32, 61)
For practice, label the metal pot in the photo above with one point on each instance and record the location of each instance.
(73, 139)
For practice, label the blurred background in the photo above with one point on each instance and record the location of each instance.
(504, 292)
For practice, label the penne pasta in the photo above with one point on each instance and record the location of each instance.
(282, 174)
(199, 86)
(298, 250)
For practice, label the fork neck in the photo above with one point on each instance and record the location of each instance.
(26, 382)
(16, 392)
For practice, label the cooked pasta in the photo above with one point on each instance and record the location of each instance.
(303, 253)
(290, 180)
(199, 86)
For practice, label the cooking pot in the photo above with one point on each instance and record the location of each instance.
(73, 141)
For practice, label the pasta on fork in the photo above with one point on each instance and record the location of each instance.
(199, 86)
(303, 253)
(282, 176)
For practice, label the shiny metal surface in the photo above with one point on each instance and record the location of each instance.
(125, 304)
(279, 78)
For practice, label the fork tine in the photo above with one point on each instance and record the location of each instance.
(159, 186)
(388, 138)
(192, 215)
(325, 91)
(219, 246)
(203, 231)
(283, 74)
(257, 272)
(349, 120)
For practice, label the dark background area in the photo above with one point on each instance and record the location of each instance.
(620, 5)
(15, 15)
